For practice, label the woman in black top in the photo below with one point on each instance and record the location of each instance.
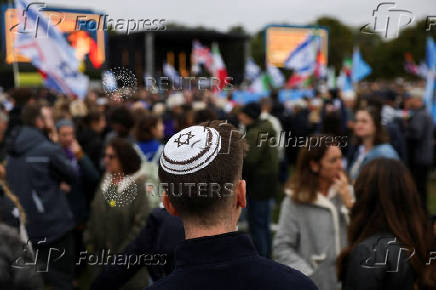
(389, 236)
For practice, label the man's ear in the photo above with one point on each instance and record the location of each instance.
(241, 191)
(167, 204)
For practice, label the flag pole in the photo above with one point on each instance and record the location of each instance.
(16, 72)
(15, 68)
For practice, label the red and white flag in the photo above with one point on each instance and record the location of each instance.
(219, 68)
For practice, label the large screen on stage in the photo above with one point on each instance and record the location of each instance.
(83, 29)
(281, 40)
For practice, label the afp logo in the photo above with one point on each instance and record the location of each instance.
(388, 20)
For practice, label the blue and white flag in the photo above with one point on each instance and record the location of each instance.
(252, 70)
(360, 68)
(303, 58)
(344, 82)
(48, 51)
(431, 73)
(277, 78)
(170, 72)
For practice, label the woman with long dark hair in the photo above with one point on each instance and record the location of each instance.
(370, 139)
(314, 213)
(389, 236)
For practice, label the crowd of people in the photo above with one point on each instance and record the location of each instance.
(333, 189)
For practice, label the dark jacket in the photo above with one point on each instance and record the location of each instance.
(228, 261)
(83, 189)
(261, 163)
(159, 237)
(396, 138)
(35, 167)
(365, 267)
(92, 144)
(419, 135)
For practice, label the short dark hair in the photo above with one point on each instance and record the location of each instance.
(123, 116)
(127, 155)
(144, 125)
(30, 113)
(204, 204)
(93, 116)
(21, 95)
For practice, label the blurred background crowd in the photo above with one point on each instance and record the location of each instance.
(81, 175)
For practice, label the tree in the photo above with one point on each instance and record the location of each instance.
(237, 28)
(340, 40)
(257, 47)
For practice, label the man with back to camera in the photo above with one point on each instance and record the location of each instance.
(200, 169)
(35, 169)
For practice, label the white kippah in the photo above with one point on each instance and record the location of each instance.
(190, 150)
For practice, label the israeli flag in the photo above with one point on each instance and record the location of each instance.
(48, 51)
(252, 70)
(303, 58)
(277, 78)
(170, 72)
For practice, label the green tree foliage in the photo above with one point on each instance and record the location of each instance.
(257, 47)
(340, 40)
(386, 57)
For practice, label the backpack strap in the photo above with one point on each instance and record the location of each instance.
(157, 154)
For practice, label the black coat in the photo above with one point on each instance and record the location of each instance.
(228, 261)
(92, 144)
(83, 189)
(35, 167)
(378, 263)
(159, 237)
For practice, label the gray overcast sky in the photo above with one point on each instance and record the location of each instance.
(252, 14)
